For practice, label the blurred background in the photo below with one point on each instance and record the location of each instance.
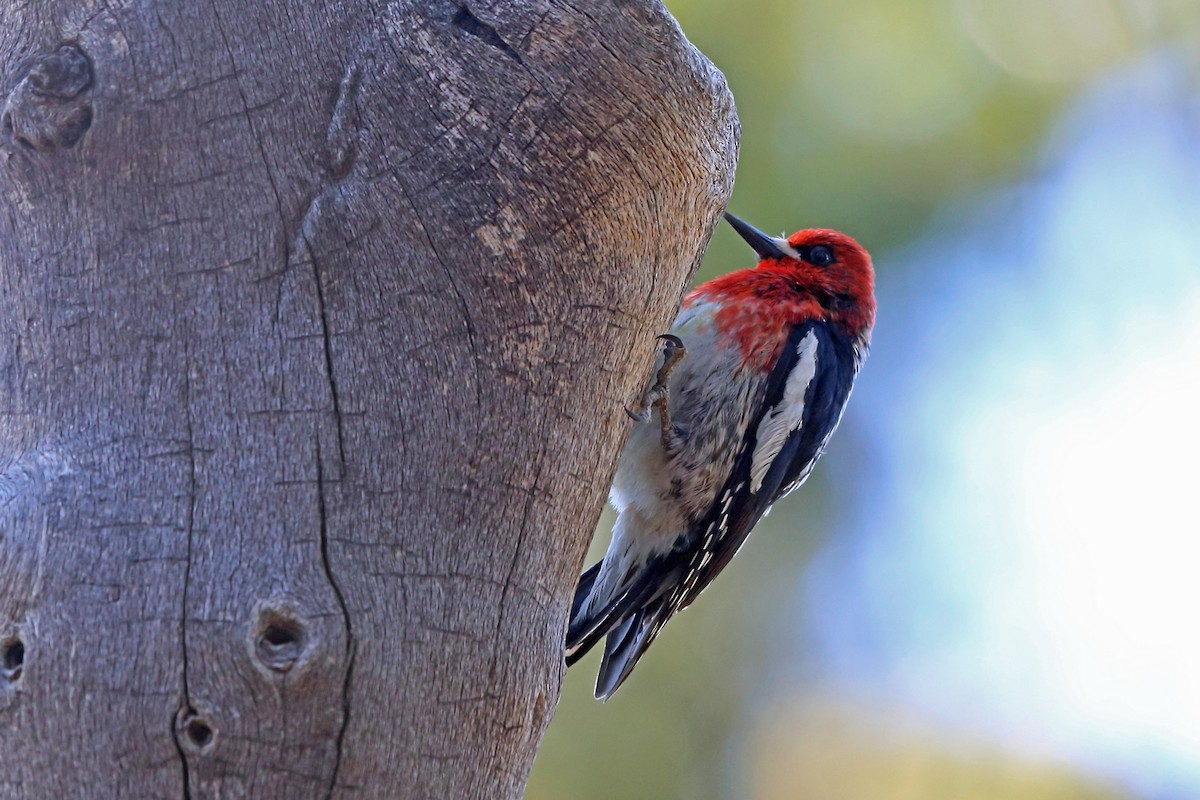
(989, 588)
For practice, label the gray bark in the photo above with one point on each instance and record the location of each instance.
(316, 324)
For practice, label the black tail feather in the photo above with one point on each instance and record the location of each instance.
(584, 588)
(628, 642)
(585, 631)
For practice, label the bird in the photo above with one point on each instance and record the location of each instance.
(749, 385)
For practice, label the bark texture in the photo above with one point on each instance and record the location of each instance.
(316, 323)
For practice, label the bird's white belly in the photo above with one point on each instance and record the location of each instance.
(710, 408)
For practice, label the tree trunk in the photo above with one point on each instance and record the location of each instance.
(316, 324)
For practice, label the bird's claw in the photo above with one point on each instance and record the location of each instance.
(658, 396)
(673, 351)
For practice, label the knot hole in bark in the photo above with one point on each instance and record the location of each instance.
(12, 659)
(51, 108)
(280, 641)
(196, 730)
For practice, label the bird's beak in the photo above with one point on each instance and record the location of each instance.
(765, 246)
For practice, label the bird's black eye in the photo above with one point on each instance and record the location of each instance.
(820, 256)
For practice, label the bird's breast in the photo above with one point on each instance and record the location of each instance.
(753, 310)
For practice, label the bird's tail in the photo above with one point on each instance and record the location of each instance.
(593, 612)
(627, 642)
(631, 616)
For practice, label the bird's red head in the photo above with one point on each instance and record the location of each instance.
(827, 266)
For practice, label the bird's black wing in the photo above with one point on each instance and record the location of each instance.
(824, 399)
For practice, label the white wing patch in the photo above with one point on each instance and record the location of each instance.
(787, 416)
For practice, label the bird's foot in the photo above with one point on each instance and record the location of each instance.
(658, 396)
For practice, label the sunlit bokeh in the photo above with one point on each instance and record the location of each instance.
(987, 590)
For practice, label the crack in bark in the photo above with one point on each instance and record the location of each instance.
(186, 699)
(340, 166)
(327, 342)
(351, 645)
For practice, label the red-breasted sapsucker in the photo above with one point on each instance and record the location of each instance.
(771, 354)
